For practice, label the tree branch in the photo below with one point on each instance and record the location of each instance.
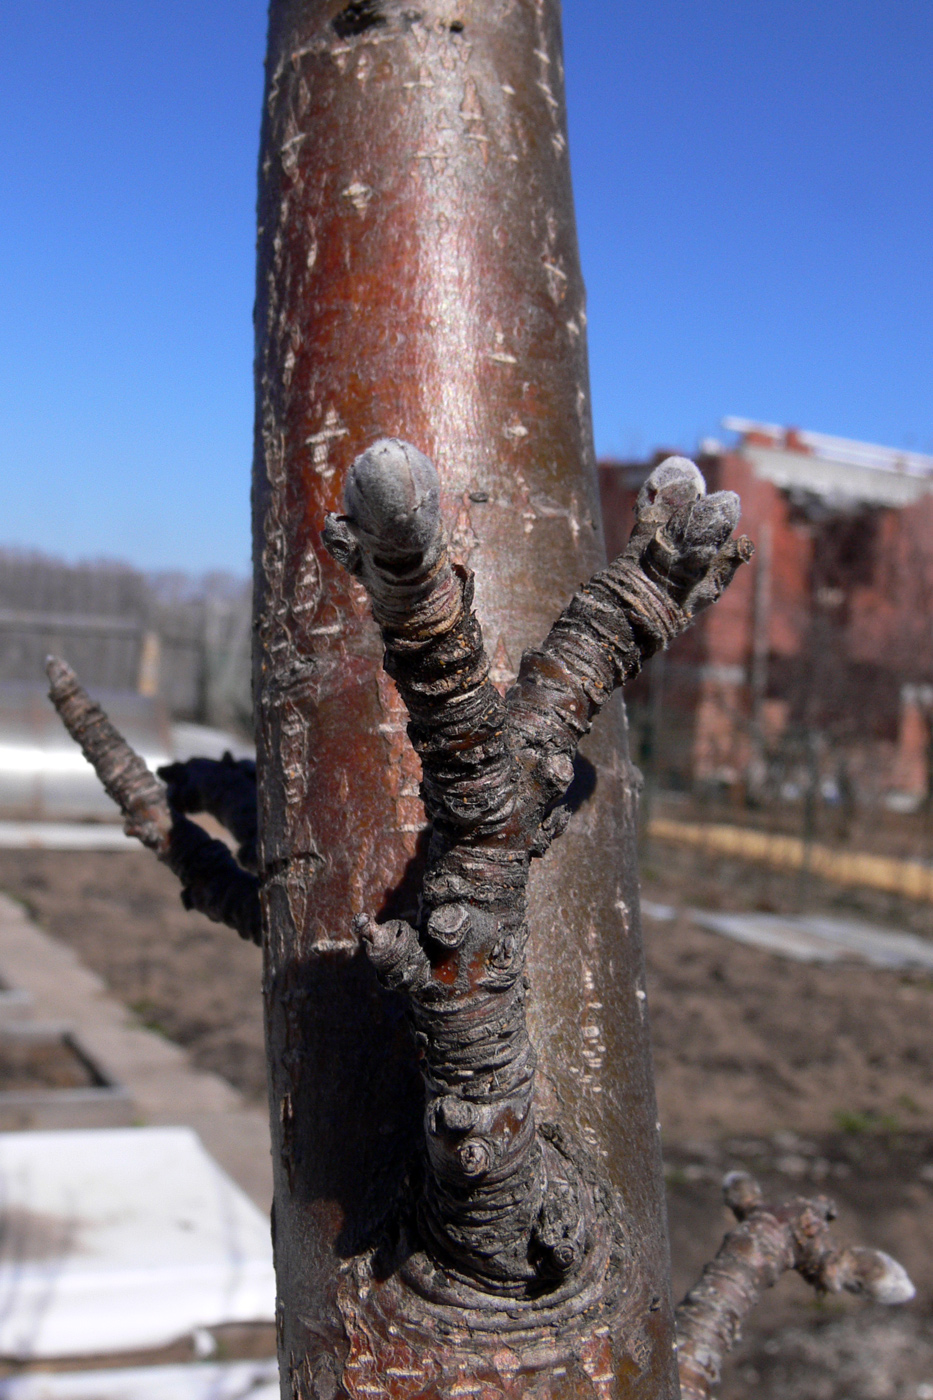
(226, 789)
(392, 538)
(504, 1207)
(126, 779)
(212, 882)
(679, 559)
(769, 1242)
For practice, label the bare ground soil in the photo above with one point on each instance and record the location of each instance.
(192, 980)
(819, 1079)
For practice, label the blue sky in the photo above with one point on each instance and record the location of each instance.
(754, 191)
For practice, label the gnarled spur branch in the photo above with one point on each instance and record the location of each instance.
(212, 881)
(506, 1208)
(770, 1241)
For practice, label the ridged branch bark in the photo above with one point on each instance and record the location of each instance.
(503, 1207)
(770, 1241)
(212, 881)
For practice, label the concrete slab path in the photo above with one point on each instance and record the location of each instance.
(166, 1087)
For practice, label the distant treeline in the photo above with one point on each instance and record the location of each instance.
(184, 638)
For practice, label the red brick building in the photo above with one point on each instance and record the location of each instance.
(819, 659)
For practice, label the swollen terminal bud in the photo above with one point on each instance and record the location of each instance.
(674, 483)
(392, 500)
(712, 521)
(741, 1193)
(875, 1275)
(682, 536)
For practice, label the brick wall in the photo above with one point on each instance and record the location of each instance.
(838, 605)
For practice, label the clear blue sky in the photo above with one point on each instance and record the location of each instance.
(754, 190)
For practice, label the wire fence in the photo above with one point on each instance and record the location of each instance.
(182, 638)
(827, 782)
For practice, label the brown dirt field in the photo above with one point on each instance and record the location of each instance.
(817, 1078)
(191, 979)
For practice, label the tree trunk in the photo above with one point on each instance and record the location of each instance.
(419, 278)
